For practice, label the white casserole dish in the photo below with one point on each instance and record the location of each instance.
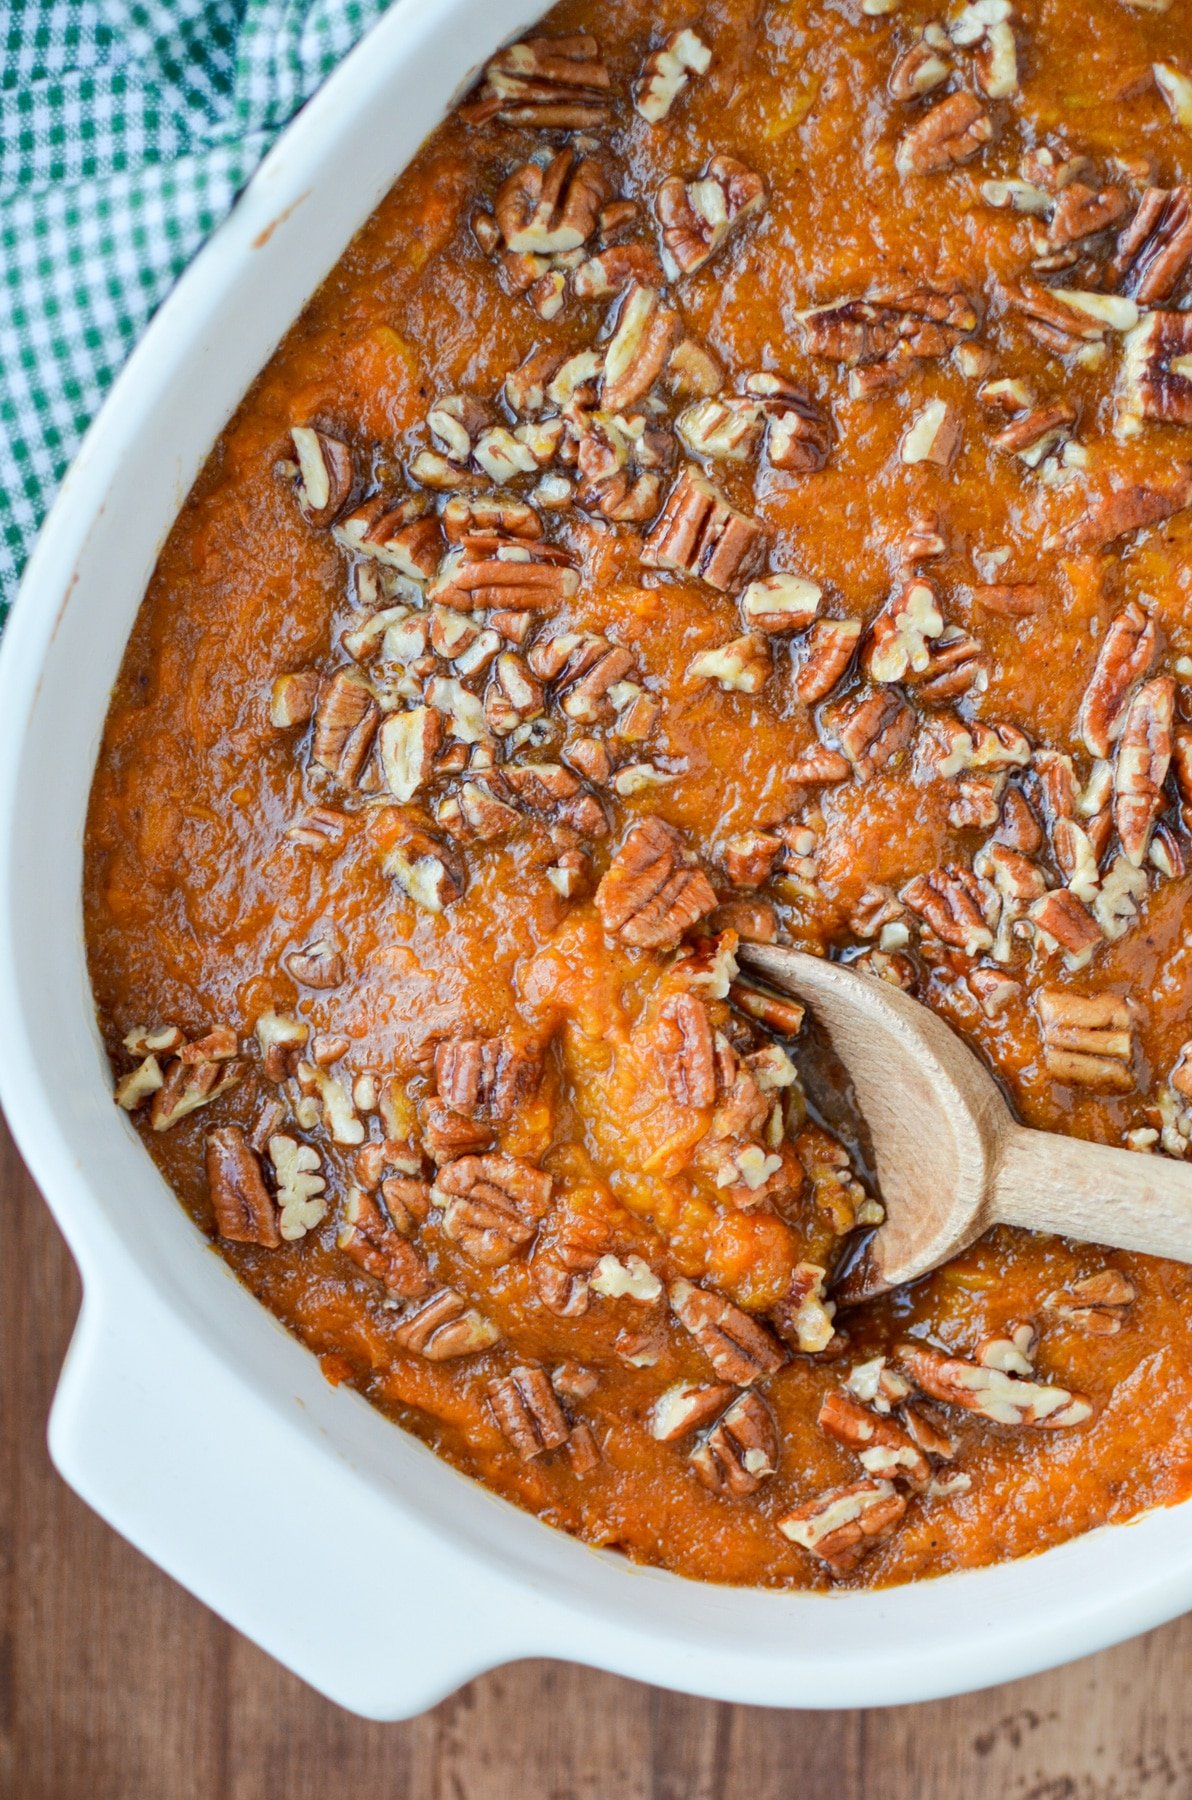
(185, 1415)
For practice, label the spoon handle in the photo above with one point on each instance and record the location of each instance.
(1094, 1192)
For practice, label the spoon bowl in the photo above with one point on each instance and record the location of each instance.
(950, 1158)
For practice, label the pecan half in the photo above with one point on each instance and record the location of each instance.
(511, 574)
(345, 723)
(1096, 1303)
(651, 893)
(738, 1348)
(955, 904)
(444, 1326)
(883, 1447)
(487, 1078)
(1124, 510)
(687, 1043)
(698, 216)
(1001, 1398)
(1125, 655)
(317, 965)
(556, 208)
(910, 322)
(1088, 1040)
(1155, 250)
(952, 132)
(324, 474)
(871, 729)
(843, 1524)
(1063, 922)
(1156, 373)
(667, 71)
(300, 1185)
(647, 331)
(242, 1204)
(824, 657)
(491, 1204)
(545, 83)
(369, 1237)
(699, 533)
(740, 1451)
(527, 1411)
(1143, 759)
(683, 1409)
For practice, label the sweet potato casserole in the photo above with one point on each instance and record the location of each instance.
(736, 487)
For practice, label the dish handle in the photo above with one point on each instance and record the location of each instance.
(172, 1446)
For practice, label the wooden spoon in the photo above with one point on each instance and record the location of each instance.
(950, 1159)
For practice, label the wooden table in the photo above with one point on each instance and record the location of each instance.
(116, 1685)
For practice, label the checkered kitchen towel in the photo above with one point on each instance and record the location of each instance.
(127, 128)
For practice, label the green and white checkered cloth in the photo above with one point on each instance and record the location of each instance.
(127, 128)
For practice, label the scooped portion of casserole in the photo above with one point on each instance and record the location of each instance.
(737, 487)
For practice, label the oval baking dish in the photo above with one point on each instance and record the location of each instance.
(186, 1416)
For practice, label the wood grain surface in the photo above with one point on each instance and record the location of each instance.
(117, 1685)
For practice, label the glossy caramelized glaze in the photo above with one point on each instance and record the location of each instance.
(739, 488)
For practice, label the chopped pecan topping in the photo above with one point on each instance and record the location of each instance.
(738, 1348)
(1124, 510)
(667, 71)
(878, 1384)
(824, 658)
(1037, 433)
(1081, 211)
(1125, 656)
(508, 573)
(799, 434)
(190, 1084)
(407, 1201)
(1143, 759)
(370, 1238)
(976, 806)
(444, 1326)
(545, 83)
(300, 1185)
(897, 642)
(1018, 828)
(409, 742)
(782, 602)
(903, 323)
(952, 132)
(632, 1279)
(525, 1408)
(933, 436)
(243, 1207)
(293, 698)
(650, 894)
(742, 665)
(871, 729)
(754, 921)
(740, 1451)
(687, 1043)
(1096, 1303)
(611, 271)
(683, 1409)
(841, 1525)
(133, 1089)
(487, 1078)
(1155, 250)
(1156, 374)
(994, 1395)
(955, 904)
(883, 1447)
(513, 697)
(345, 723)
(803, 1317)
(776, 1012)
(1176, 89)
(924, 66)
(491, 1204)
(750, 857)
(318, 965)
(405, 537)
(1063, 922)
(430, 870)
(699, 533)
(546, 210)
(639, 349)
(1181, 764)
(697, 216)
(985, 28)
(1088, 1040)
(324, 474)
(956, 665)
